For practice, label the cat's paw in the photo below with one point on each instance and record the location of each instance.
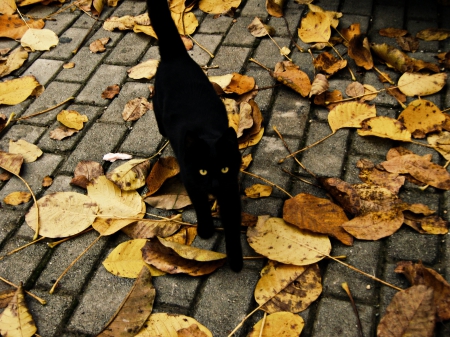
(236, 264)
(205, 232)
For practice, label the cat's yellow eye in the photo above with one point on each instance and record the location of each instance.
(203, 172)
(224, 170)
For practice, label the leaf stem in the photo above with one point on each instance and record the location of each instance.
(46, 110)
(245, 318)
(260, 64)
(267, 181)
(40, 300)
(22, 247)
(306, 148)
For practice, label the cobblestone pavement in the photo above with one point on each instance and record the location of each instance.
(88, 295)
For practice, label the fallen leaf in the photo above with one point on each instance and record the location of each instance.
(410, 313)
(62, 132)
(170, 324)
(384, 127)
(234, 83)
(354, 89)
(139, 23)
(11, 162)
(5, 176)
(111, 91)
(327, 63)
(246, 160)
(370, 175)
(126, 260)
(8, 7)
(258, 191)
(98, 46)
(397, 94)
(164, 168)
(149, 228)
(39, 39)
(350, 115)
(217, 6)
(282, 323)
(47, 181)
(315, 27)
(135, 309)
(359, 51)
(6, 296)
(393, 57)
(29, 152)
(85, 171)
(408, 43)
(275, 7)
(284, 287)
(62, 214)
(188, 44)
(392, 32)
(72, 119)
(14, 61)
(68, 65)
(259, 29)
(417, 274)
(290, 75)
(251, 140)
(328, 99)
(17, 198)
(16, 319)
(317, 215)
(112, 157)
(277, 240)
(412, 84)
(332, 16)
(319, 85)
(441, 141)
(431, 224)
(370, 93)
(131, 175)
(175, 258)
(422, 117)
(348, 33)
(172, 195)
(135, 109)
(433, 34)
(13, 27)
(17, 90)
(420, 65)
(146, 69)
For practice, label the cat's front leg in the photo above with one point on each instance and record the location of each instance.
(205, 226)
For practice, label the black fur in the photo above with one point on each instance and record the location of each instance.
(191, 115)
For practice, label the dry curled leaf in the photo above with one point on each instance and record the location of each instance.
(11, 162)
(408, 43)
(370, 175)
(327, 63)
(393, 57)
(146, 69)
(275, 7)
(62, 132)
(319, 85)
(17, 198)
(413, 84)
(290, 75)
(259, 29)
(359, 51)
(165, 168)
(111, 91)
(433, 34)
(258, 191)
(135, 109)
(85, 171)
(392, 32)
(98, 46)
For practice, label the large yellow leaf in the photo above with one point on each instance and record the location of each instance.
(39, 39)
(126, 260)
(315, 27)
(167, 325)
(350, 115)
(284, 287)
(17, 90)
(72, 119)
(146, 69)
(385, 127)
(112, 201)
(16, 320)
(62, 214)
(29, 152)
(275, 239)
(218, 6)
(135, 309)
(333, 16)
(131, 175)
(283, 324)
(415, 84)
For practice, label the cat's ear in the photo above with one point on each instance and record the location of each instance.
(229, 136)
(193, 143)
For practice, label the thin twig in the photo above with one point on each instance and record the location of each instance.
(384, 76)
(84, 38)
(291, 36)
(245, 318)
(306, 148)
(260, 64)
(262, 324)
(268, 182)
(22, 247)
(301, 179)
(279, 48)
(20, 14)
(46, 110)
(55, 243)
(202, 47)
(36, 234)
(43, 302)
(355, 309)
(73, 263)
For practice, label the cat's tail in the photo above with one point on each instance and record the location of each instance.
(170, 44)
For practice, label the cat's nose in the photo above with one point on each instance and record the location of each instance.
(215, 186)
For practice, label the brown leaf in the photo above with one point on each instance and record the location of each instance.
(350, 32)
(327, 98)
(433, 34)
(290, 75)
(317, 215)
(5, 176)
(421, 169)
(6, 296)
(343, 193)
(422, 117)
(17, 198)
(393, 57)
(11, 162)
(68, 65)
(372, 176)
(135, 109)
(397, 94)
(165, 168)
(420, 65)
(354, 89)
(148, 228)
(315, 27)
(98, 46)
(86, 171)
(418, 274)
(175, 258)
(327, 63)
(62, 132)
(258, 191)
(275, 7)
(408, 43)
(431, 224)
(188, 44)
(111, 91)
(192, 331)
(319, 85)
(359, 51)
(392, 32)
(410, 313)
(13, 27)
(47, 181)
(259, 29)
(172, 195)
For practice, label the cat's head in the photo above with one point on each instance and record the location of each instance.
(212, 164)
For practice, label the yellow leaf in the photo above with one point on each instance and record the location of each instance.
(333, 16)
(126, 260)
(39, 39)
(414, 84)
(441, 141)
(8, 7)
(131, 175)
(16, 320)
(350, 115)
(315, 27)
(284, 324)
(17, 198)
(62, 214)
(146, 69)
(167, 325)
(275, 239)
(11, 162)
(14, 61)
(217, 6)
(13, 27)
(108, 226)
(290, 75)
(275, 7)
(72, 119)
(284, 287)
(29, 152)
(385, 127)
(251, 141)
(15, 91)
(192, 253)
(148, 30)
(258, 191)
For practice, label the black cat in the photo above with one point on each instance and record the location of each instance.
(191, 115)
